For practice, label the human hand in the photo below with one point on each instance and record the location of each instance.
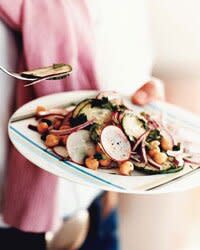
(150, 91)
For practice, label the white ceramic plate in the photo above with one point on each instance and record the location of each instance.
(30, 146)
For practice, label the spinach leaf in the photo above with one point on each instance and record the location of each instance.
(78, 120)
(103, 103)
(154, 135)
(177, 147)
(95, 132)
(98, 156)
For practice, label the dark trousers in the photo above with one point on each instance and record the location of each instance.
(102, 235)
(103, 232)
(14, 239)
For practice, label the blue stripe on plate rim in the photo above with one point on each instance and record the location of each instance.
(70, 164)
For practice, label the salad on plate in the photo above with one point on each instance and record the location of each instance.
(102, 133)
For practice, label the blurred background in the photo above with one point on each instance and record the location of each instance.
(175, 32)
(165, 33)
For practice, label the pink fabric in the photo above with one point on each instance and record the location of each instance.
(52, 31)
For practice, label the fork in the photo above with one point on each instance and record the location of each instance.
(34, 80)
(17, 75)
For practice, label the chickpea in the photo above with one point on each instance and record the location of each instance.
(51, 141)
(42, 127)
(126, 168)
(91, 163)
(160, 157)
(155, 144)
(105, 162)
(39, 109)
(153, 151)
(166, 144)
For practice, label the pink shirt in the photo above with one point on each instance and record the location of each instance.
(30, 193)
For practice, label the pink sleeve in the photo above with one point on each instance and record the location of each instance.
(10, 12)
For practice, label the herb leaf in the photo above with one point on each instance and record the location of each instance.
(95, 132)
(177, 147)
(103, 103)
(78, 120)
(98, 156)
(154, 135)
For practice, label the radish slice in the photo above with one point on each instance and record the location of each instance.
(70, 130)
(115, 143)
(112, 96)
(61, 152)
(79, 146)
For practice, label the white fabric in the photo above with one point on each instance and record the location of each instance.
(123, 44)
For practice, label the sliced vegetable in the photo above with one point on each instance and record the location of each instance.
(148, 169)
(193, 158)
(61, 152)
(98, 115)
(132, 125)
(140, 139)
(115, 143)
(70, 130)
(55, 69)
(79, 107)
(112, 96)
(153, 168)
(79, 145)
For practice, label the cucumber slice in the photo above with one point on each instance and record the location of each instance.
(79, 106)
(168, 168)
(98, 115)
(115, 143)
(79, 145)
(112, 96)
(132, 125)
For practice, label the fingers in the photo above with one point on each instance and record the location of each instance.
(145, 94)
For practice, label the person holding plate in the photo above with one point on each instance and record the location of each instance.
(83, 34)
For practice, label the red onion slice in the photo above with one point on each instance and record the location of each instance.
(115, 117)
(140, 139)
(66, 119)
(144, 153)
(193, 158)
(153, 163)
(70, 130)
